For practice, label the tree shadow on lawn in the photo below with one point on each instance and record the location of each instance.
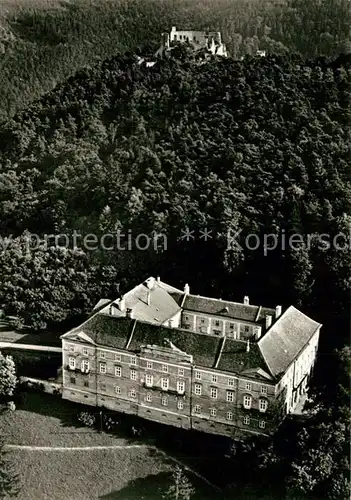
(67, 413)
(154, 486)
(201, 452)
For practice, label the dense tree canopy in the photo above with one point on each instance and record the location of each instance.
(238, 147)
(40, 47)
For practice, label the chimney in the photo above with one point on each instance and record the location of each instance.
(170, 323)
(158, 279)
(122, 304)
(148, 297)
(268, 321)
(278, 311)
(129, 312)
(149, 283)
(246, 300)
(248, 346)
(186, 289)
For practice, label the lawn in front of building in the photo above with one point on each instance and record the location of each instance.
(126, 472)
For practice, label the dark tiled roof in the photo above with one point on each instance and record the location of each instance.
(204, 348)
(109, 331)
(234, 357)
(286, 338)
(225, 308)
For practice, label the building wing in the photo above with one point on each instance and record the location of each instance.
(286, 339)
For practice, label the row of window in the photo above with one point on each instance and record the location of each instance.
(229, 416)
(231, 382)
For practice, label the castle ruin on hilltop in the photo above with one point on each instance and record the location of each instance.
(210, 40)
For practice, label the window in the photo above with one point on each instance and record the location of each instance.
(85, 352)
(198, 389)
(231, 326)
(118, 357)
(164, 384)
(229, 415)
(85, 365)
(197, 408)
(164, 401)
(247, 402)
(248, 386)
(180, 405)
(72, 380)
(148, 380)
(216, 323)
(214, 393)
(117, 389)
(86, 383)
(263, 405)
(198, 375)
(72, 362)
(148, 397)
(71, 348)
(165, 368)
(247, 329)
(103, 387)
(133, 374)
(102, 367)
(247, 420)
(181, 372)
(214, 378)
(231, 382)
(132, 393)
(180, 386)
(102, 355)
(149, 365)
(213, 412)
(264, 390)
(118, 371)
(133, 360)
(230, 396)
(262, 424)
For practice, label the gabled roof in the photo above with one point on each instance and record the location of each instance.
(285, 339)
(103, 329)
(218, 307)
(160, 308)
(203, 348)
(235, 358)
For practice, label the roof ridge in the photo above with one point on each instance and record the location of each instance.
(86, 321)
(265, 360)
(258, 313)
(220, 352)
(221, 300)
(131, 334)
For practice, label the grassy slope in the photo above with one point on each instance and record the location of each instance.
(47, 421)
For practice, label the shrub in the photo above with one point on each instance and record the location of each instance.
(86, 418)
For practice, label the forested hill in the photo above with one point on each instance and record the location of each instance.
(43, 42)
(257, 146)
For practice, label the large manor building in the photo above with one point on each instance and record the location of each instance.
(190, 361)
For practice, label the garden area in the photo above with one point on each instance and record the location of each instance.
(57, 456)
